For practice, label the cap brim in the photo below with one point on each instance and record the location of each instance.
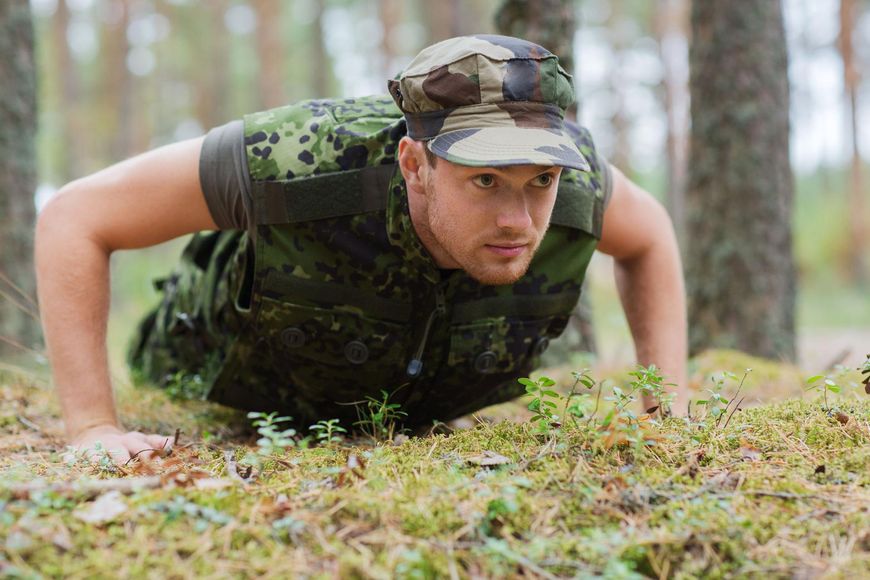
(502, 146)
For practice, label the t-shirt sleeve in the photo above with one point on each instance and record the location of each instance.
(606, 178)
(223, 175)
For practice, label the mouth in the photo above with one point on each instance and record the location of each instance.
(507, 250)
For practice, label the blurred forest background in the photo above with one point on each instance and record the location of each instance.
(119, 77)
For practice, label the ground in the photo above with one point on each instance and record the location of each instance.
(775, 489)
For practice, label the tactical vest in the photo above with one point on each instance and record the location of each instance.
(333, 298)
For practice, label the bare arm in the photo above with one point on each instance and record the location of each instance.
(639, 235)
(137, 203)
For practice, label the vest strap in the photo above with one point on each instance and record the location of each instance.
(578, 209)
(318, 197)
(529, 306)
(357, 191)
(335, 294)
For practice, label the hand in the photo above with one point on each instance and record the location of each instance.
(120, 445)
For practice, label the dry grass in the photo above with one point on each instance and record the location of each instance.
(783, 492)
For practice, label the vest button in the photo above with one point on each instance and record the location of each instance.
(541, 345)
(293, 337)
(356, 352)
(485, 362)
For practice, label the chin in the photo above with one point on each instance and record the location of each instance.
(498, 276)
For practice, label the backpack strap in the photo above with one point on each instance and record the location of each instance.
(319, 197)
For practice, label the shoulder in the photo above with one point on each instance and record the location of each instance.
(322, 136)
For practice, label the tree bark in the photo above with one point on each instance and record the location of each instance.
(672, 27)
(270, 53)
(442, 19)
(551, 23)
(857, 205)
(739, 262)
(321, 65)
(19, 328)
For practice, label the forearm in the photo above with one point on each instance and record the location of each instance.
(653, 295)
(73, 288)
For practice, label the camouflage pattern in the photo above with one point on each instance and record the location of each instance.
(489, 100)
(312, 317)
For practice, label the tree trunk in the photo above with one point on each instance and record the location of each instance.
(19, 329)
(442, 19)
(320, 63)
(270, 53)
(390, 12)
(740, 268)
(672, 26)
(851, 77)
(115, 86)
(72, 163)
(550, 23)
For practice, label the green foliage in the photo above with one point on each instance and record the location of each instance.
(717, 404)
(328, 431)
(379, 418)
(272, 440)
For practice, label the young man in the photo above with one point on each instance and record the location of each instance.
(429, 244)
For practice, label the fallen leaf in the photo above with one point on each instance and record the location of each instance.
(488, 458)
(106, 508)
(748, 452)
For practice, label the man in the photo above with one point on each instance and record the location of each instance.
(428, 244)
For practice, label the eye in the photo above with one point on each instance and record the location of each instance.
(485, 180)
(543, 180)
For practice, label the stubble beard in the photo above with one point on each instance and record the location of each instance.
(456, 244)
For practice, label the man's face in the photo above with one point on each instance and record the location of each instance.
(487, 221)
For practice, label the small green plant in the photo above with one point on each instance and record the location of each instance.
(379, 418)
(823, 383)
(649, 381)
(544, 402)
(577, 403)
(272, 439)
(328, 431)
(717, 404)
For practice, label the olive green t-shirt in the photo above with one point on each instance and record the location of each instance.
(223, 175)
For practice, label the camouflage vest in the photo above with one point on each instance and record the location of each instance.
(333, 298)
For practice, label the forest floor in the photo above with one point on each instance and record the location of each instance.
(780, 488)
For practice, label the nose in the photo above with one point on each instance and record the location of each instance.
(513, 214)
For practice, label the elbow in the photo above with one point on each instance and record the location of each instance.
(63, 222)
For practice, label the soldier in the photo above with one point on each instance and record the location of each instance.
(428, 243)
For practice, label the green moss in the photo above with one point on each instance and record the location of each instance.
(744, 500)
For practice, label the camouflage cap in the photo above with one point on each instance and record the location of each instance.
(489, 101)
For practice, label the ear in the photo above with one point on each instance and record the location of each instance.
(412, 163)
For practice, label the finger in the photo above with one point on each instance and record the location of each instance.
(159, 441)
(141, 450)
(118, 455)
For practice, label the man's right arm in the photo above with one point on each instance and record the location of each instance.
(143, 201)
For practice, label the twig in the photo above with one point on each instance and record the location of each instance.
(597, 402)
(22, 307)
(16, 344)
(29, 424)
(725, 410)
(843, 355)
(734, 410)
(21, 292)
